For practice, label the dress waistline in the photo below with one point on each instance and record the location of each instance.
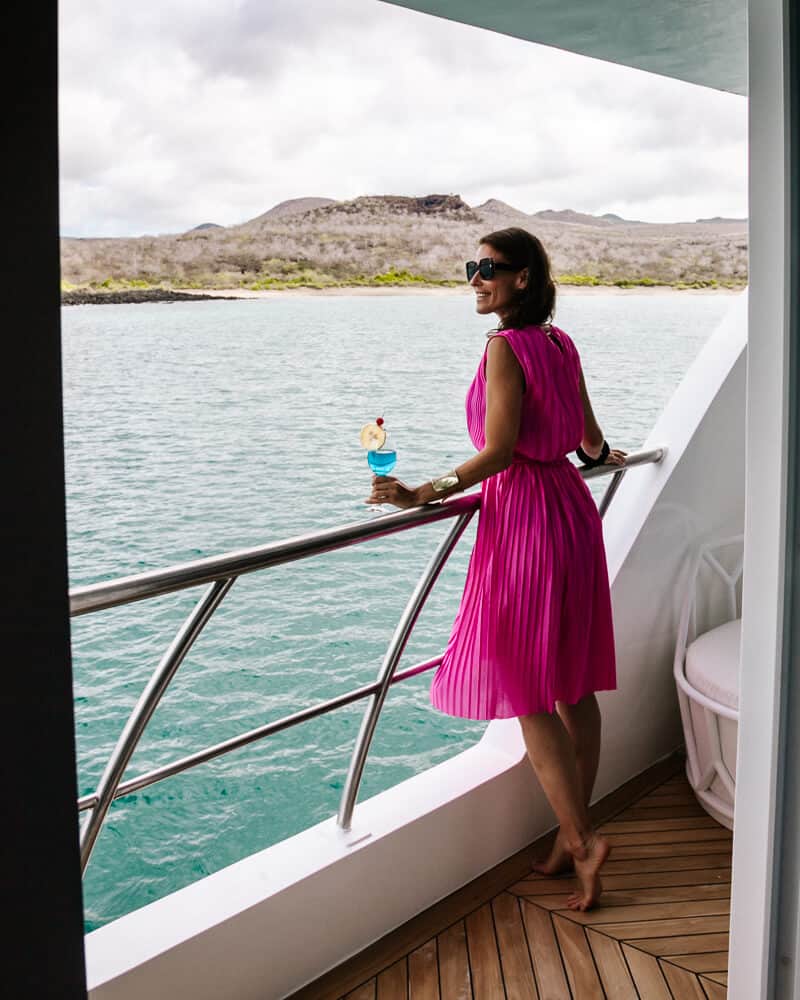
(525, 460)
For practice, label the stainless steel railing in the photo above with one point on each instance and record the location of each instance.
(221, 572)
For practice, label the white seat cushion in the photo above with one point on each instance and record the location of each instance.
(712, 663)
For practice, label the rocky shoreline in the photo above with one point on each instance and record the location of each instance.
(84, 298)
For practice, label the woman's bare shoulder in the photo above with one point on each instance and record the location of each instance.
(502, 343)
(504, 357)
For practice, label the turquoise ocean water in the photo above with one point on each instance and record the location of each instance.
(196, 428)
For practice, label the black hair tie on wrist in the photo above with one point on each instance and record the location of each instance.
(590, 463)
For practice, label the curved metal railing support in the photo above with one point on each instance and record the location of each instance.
(610, 490)
(254, 735)
(395, 650)
(145, 706)
(640, 458)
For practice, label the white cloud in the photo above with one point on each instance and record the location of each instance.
(175, 113)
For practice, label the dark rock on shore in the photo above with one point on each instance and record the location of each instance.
(84, 298)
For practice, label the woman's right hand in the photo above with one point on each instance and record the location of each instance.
(389, 489)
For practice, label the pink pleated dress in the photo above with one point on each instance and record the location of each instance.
(534, 625)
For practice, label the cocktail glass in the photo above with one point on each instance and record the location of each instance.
(382, 460)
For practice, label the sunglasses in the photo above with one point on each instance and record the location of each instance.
(487, 267)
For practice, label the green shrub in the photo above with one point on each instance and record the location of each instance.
(404, 277)
(578, 279)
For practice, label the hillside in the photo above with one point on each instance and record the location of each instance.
(294, 206)
(392, 239)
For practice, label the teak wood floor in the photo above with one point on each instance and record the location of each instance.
(660, 931)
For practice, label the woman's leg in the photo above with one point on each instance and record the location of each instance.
(583, 723)
(553, 758)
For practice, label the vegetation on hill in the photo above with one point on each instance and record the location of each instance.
(395, 241)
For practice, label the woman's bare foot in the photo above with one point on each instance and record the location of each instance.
(559, 861)
(589, 859)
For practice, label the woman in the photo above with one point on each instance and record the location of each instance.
(533, 636)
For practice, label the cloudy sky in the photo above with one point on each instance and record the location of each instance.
(177, 112)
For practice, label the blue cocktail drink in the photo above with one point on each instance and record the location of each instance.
(382, 461)
(381, 453)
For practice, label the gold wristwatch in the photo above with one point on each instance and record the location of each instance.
(445, 482)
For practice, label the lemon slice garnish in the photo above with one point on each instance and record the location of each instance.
(372, 437)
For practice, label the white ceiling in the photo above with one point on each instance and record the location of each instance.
(701, 41)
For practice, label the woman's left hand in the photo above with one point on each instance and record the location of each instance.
(616, 457)
(387, 489)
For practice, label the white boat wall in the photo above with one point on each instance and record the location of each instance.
(279, 919)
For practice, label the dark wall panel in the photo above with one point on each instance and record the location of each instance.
(42, 939)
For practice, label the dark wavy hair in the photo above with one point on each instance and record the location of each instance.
(535, 304)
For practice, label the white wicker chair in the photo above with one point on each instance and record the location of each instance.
(707, 674)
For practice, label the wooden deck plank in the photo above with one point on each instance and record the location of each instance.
(578, 959)
(559, 904)
(646, 973)
(535, 885)
(717, 977)
(547, 963)
(664, 863)
(677, 875)
(484, 961)
(676, 780)
(649, 914)
(393, 982)
(423, 972)
(364, 992)
(650, 802)
(454, 976)
(669, 799)
(670, 837)
(685, 795)
(661, 812)
(678, 776)
(709, 962)
(671, 851)
(684, 945)
(684, 985)
(704, 822)
(614, 973)
(633, 930)
(695, 878)
(634, 897)
(713, 990)
(515, 958)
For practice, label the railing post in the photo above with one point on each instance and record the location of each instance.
(146, 705)
(610, 490)
(391, 659)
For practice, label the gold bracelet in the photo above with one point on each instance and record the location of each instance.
(445, 482)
